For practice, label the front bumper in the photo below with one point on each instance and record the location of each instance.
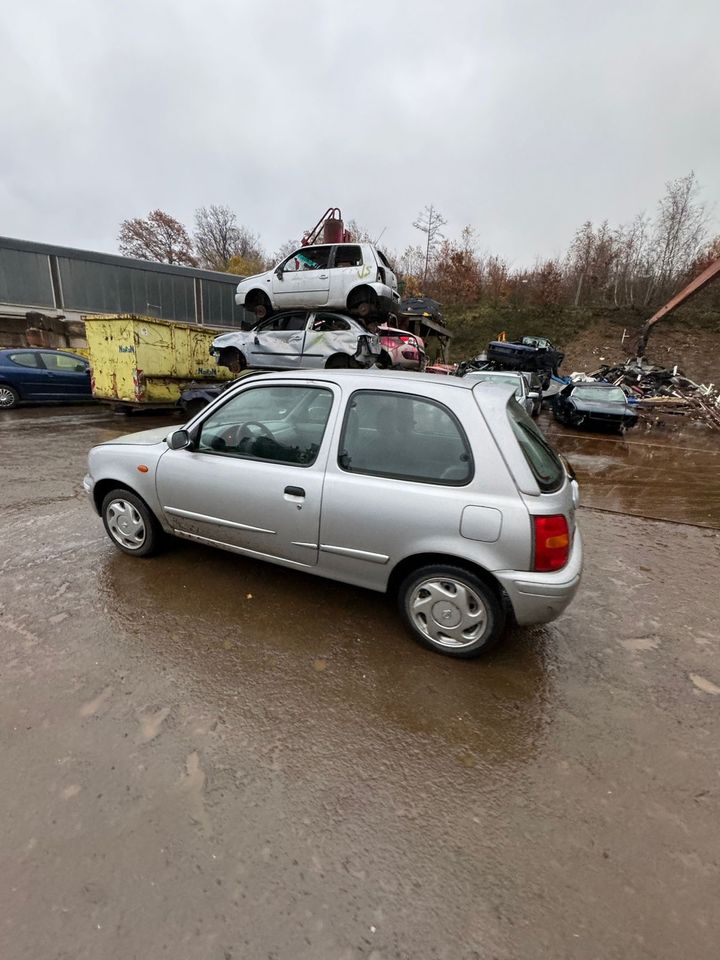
(542, 597)
(89, 487)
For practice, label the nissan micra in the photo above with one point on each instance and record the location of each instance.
(441, 491)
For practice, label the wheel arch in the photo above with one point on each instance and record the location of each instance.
(406, 566)
(361, 293)
(103, 487)
(256, 295)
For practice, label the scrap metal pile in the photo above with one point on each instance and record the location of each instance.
(659, 390)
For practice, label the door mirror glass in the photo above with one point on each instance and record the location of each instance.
(179, 440)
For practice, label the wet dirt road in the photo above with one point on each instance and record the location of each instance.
(205, 757)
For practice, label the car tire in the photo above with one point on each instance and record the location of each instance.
(452, 611)
(577, 420)
(339, 361)
(262, 307)
(384, 361)
(130, 523)
(233, 359)
(9, 397)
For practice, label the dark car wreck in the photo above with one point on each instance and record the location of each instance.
(594, 404)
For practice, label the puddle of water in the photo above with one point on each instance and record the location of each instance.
(667, 476)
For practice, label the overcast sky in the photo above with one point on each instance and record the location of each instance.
(520, 117)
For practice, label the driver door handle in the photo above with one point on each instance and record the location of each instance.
(295, 491)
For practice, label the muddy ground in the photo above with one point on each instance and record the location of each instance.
(206, 757)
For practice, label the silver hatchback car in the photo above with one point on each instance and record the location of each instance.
(440, 490)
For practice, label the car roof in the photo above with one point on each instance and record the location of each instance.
(375, 378)
(494, 373)
(594, 383)
(68, 353)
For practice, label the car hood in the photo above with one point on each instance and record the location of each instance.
(156, 435)
(226, 339)
(595, 406)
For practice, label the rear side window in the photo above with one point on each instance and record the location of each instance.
(404, 437)
(541, 458)
(348, 256)
(25, 359)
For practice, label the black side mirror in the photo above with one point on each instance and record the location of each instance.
(179, 440)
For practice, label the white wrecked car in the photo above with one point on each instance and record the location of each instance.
(300, 339)
(356, 277)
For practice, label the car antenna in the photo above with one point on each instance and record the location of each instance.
(377, 241)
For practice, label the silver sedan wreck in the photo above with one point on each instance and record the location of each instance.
(299, 339)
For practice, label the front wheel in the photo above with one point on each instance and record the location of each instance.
(451, 610)
(130, 523)
(9, 397)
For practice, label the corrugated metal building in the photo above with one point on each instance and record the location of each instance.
(62, 283)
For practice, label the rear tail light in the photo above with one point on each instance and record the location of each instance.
(552, 542)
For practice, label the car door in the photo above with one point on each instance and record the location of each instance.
(278, 342)
(347, 270)
(253, 479)
(327, 334)
(26, 373)
(303, 280)
(68, 376)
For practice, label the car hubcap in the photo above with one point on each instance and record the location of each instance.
(448, 612)
(126, 525)
(6, 398)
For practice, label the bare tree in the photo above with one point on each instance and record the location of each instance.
(219, 239)
(430, 222)
(680, 231)
(157, 237)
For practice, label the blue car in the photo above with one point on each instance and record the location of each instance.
(42, 376)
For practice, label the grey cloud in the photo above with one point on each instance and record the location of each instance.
(521, 118)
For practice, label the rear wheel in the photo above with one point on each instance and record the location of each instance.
(340, 361)
(451, 610)
(9, 397)
(130, 523)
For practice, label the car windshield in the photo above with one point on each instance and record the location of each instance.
(599, 394)
(499, 378)
(541, 458)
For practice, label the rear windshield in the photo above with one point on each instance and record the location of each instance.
(541, 458)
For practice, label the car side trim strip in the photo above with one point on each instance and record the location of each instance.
(176, 512)
(245, 551)
(355, 554)
(298, 543)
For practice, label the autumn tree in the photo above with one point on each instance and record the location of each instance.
(430, 222)
(157, 237)
(224, 244)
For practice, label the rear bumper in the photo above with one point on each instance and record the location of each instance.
(542, 597)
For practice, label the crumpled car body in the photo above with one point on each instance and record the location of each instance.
(299, 339)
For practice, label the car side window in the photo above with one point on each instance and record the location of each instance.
(283, 321)
(404, 437)
(24, 359)
(307, 258)
(284, 424)
(327, 322)
(60, 362)
(348, 256)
